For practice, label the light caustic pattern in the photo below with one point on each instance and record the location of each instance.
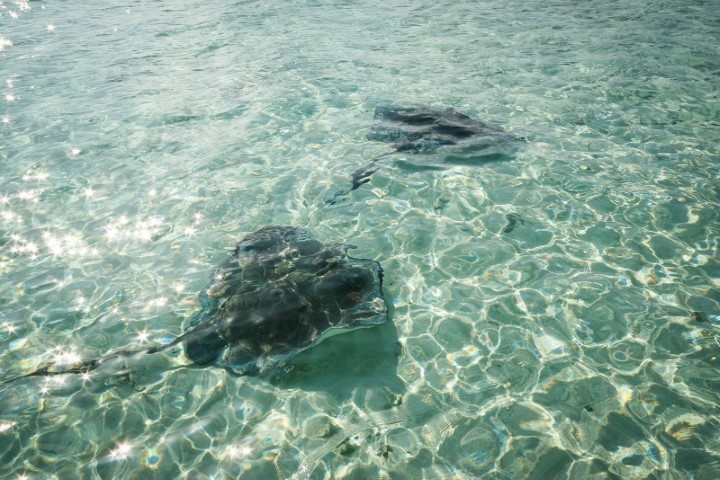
(558, 313)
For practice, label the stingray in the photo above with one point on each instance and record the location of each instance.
(278, 294)
(425, 129)
(419, 130)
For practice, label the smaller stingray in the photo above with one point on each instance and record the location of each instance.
(425, 130)
(277, 295)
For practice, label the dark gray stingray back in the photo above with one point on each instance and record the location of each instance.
(423, 129)
(278, 294)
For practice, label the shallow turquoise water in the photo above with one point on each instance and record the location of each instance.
(140, 140)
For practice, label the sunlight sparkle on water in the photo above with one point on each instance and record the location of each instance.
(71, 244)
(143, 336)
(29, 195)
(234, 452)
(122, 451)
(9, 327)
(4, 43)
(158, 302)
(59, 380)
(69, 357)
(10, 217)
(6, 426)
(22, 245)
(143, 230)
(39, 176)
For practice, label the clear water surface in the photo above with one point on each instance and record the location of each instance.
(558, 312)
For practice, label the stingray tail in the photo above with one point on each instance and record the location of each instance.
(360, 177)
(85, 366)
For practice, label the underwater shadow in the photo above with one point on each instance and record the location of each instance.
(363, 359)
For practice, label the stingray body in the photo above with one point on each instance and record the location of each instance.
(278, 294)
(424, 129)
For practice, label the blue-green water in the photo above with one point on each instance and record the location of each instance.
(140, 140)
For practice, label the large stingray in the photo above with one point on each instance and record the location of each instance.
(423, 130)
(277, 295)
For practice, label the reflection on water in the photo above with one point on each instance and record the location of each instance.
(554, 314)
